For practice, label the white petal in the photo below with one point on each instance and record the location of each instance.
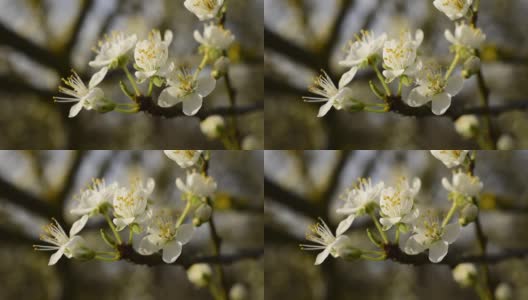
(172, 251)
(78, 225)
(451, 232)
(185, 233)
(166, 99)
(344, 225)
(192, 104)
(74, 110)
(449, 36)
(98, 77)
(322, 256)
(325, 108)
(389, 222)
(347, 77)
(147, 247)
(205, 85)
(56, 256)
(167, 37)
(454, 84)
(441, 103)
(418, 37)
(181, 186)
(437, 251)
(416, 99)
(412, 247)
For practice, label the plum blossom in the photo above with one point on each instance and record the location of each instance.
(186, 88)
(151, 55)
(467, 36)
(200, 274)
(400, 57)
(467, 125)
(184, 158)
(130, 204)
(464, 184)
(433, 87)
(204, 9)
(397, 204)
(91, 200)
(214, 36)
(89, 98)
(357, 201)
(450, 158)
(465, 274)
(454, 9)
(213, 126)
(364, 48)
(333, 96)
(112, 49)
(429, 234)
(70, 245)
(197, 184)
(325, 240)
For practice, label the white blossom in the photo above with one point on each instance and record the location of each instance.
(467, 125)
(162, 234)
(91, 200)
(464, 184)
(112, 49)
(130, 204)
(185, 88)
(238, 292)
(184, 158)
(251, 142)
(212, 126)
(356, 202)
(397, 204)
(503, 292)
(400, 57)
(467, 36)
(204, 9)
(454, 9)
(197, 184)
(200, 274)
(89, 98)
(429, 234)
(433, 87)
(465, 274)
(70, 245)
(151, 55)
(333, 96)
(450, 158)
(214, 36)
(325, 240)
(364, 48)
(506, 142)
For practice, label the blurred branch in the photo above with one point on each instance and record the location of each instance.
(148, 105)
(70, 177)
(85, 8)
(128, 253)
(110, 17)
(33, 51)
(291, 200)
(12, 85)
(342, 9)
(10, 236)
(333, 180)
(17, 197)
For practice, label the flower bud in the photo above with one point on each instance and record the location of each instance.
(468, 214)
(250, 142)
(465, 274)
(471, 66)
(503, 292)
(238, 292)
(213, 126)
(202, 214)
(467, 125)
(220, 67)
(199, 274)
(505, 142)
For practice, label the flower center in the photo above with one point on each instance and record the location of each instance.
(186, 79)
(458, 4)
(208, 4)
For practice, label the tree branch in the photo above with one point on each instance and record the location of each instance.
(128, 253)
(26, 200)
(86, 6)
(290, 200)
(147, 105)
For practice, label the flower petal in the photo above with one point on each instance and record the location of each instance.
(345, 224)
(451, 232)
(454, 84)
(438, 251)
(389, 222)
(147, 246)
(74, 110)
(205, 85)
(172, 251)
(441, 103)
(412, 246)
(192, 104)
(322, 256)
(347, 77)
(56, 256)
(97, 77)
(185, 233)
(78, 225)
(167, 99)
(325, 108)
(416, 99)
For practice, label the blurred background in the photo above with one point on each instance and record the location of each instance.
(304, 36)
(303, 185)
(41, 40)
(38, 185)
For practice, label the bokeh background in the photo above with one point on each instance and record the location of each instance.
(41, 40)
(52, 178)
(303, 36)
(303, 185)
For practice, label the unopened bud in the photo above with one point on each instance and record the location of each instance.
(465, 274)
(213, 126)
(467, 125)
(506, 142)
(250, 142)
(503, 292)
(199, 274)
(238, 292)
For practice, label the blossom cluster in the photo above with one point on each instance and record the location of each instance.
(158, 227)
(402, 61)
(397, 207)
(151, 61)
